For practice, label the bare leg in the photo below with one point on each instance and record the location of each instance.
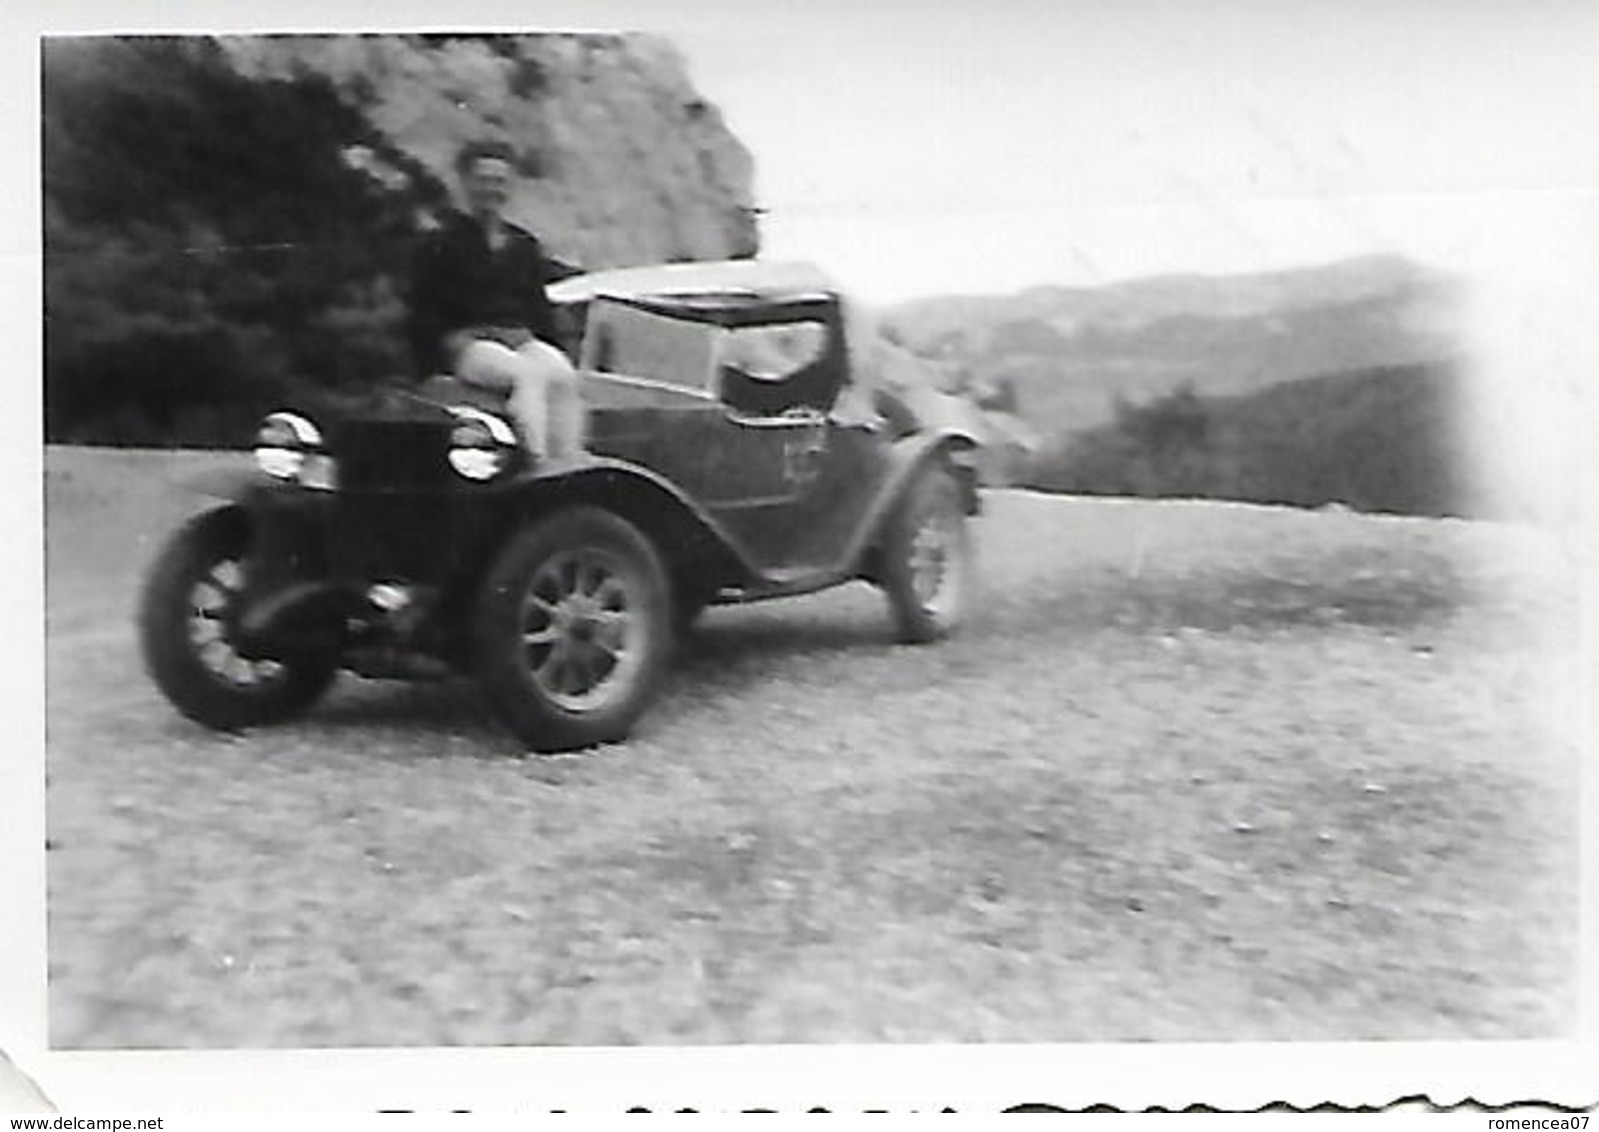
(540, 386)
(562, 400)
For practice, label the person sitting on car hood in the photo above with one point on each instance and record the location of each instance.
(479, 311)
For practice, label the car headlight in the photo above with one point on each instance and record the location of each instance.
(481, 444)
(289, 447)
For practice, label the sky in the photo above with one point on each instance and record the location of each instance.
(922, 148)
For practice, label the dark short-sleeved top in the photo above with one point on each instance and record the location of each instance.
(458, 281)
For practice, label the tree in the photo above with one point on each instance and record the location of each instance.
(208, 245)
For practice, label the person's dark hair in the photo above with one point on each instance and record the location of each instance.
(473, 152)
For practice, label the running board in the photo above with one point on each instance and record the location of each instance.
(783, 583)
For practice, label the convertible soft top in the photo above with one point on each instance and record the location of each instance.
(751, 291)
(732, 279)
(728, 291)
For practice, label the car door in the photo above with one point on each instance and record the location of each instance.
(757, 473)
(792, 478)
(844, 476)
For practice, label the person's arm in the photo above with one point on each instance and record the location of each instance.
(533, 274)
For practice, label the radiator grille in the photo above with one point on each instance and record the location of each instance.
(394, 456)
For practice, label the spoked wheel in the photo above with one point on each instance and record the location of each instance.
(580, 631)
(926, 558)
(185, 631)
(572, 629)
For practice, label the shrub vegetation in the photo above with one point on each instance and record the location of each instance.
(209, 247)
(1381, 439)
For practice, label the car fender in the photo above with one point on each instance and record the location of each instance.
(678, 524)
(909, 457)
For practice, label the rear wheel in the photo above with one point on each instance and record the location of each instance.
(926, 561)
(185, 619)
(572, 630)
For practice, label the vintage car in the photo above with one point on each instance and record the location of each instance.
(734, 453)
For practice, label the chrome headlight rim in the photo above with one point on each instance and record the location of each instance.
(289, 447)
(481, 444)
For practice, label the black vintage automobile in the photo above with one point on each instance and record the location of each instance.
(733, 454)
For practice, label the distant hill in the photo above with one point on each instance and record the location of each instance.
(1065, 355)
(1378, 439)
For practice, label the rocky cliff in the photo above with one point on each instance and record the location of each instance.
(627, 163)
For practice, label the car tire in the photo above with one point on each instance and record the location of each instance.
(183, 613)
(925, 564)
(572, 630)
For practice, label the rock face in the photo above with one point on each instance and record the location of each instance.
(626, 162)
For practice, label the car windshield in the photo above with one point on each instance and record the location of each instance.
(772, 353)
(637, 343)
(776, 368)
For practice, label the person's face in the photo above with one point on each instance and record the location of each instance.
(486, 184)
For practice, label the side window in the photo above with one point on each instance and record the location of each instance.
(768, 370)
(636, 343)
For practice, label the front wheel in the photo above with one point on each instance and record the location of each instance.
(185, 619)
(926, 559)
(572, 630)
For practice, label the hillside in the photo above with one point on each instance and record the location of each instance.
(1066, 354)
(1377, 439)
(227, 219)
